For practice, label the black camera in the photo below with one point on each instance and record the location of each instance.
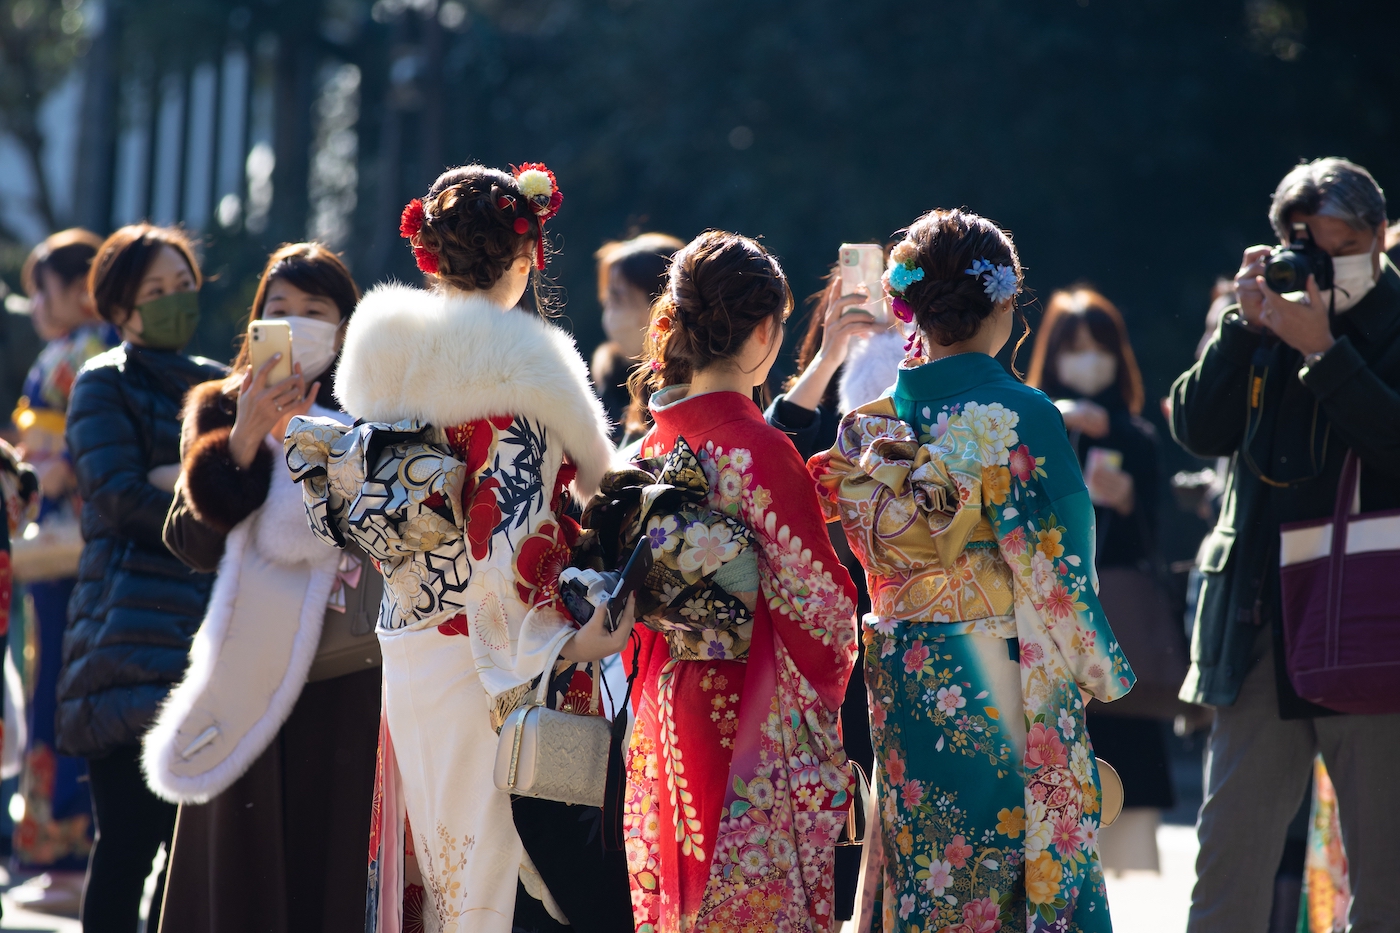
(1288, 267)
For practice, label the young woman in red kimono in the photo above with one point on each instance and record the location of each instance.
(737, 782)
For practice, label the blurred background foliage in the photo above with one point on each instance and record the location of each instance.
(1132, 145)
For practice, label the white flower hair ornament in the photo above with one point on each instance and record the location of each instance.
(1000, 281)
(542, 196)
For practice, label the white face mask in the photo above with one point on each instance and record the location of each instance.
(313, 345)
(1352, 278)
(1088, 372)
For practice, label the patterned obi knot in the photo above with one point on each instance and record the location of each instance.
(930, 552)
(703, 586)
(396, 491)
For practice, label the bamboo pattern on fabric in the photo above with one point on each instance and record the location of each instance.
(915, 497)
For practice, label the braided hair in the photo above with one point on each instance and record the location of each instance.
(721, 287)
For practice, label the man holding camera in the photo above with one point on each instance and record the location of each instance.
(1305, 367)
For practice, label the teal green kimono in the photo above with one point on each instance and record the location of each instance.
(963, 499)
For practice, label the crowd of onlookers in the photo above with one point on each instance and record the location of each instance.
(138, 487)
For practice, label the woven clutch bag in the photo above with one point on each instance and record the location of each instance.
(554, 755)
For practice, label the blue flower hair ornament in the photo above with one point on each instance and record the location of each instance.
(1000, 281)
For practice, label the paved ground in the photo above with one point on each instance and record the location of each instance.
(29, 922)
(1142, 902)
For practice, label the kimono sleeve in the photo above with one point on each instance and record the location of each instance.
(809, 593)
(1045, 528)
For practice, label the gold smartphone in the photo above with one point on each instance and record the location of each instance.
(266, 338)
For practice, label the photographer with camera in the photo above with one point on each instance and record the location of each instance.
(1303, 372)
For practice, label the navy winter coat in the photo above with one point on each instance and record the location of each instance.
(136, 607)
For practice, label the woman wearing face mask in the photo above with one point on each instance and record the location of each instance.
(631, 275)
(1083, 360)
(135, 607)
(271, 833)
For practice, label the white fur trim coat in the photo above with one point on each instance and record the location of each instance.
(252, 653)
(446, 360)
(467, 414)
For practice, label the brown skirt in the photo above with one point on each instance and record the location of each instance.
(286, 848)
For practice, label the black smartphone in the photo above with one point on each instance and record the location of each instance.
(638, 566)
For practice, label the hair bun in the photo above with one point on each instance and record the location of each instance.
(473, 228)
(948, 303)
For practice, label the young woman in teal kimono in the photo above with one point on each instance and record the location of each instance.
(964, 501)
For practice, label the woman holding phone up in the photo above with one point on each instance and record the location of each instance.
(271, 832)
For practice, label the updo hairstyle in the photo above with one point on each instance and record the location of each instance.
(720, 289)
(472, 223)
(949, 305)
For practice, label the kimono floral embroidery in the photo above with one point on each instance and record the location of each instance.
(747, 712)
(960, 499)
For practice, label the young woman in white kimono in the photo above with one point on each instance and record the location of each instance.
(474, 419)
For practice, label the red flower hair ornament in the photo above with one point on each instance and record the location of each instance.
(543, 197)
(410, 226)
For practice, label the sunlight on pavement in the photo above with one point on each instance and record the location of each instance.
(1148, 902)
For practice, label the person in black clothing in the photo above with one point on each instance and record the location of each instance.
(1083, 360)
(631, 275)
(136, 607)
(811, 406)
(1285, 389)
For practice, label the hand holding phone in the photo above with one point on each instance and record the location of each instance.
(265, 340)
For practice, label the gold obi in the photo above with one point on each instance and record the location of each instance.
(976, 586)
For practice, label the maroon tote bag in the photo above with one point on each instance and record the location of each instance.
(1341, 604)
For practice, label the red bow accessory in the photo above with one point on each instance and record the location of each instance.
(410, 225)
(542, 192)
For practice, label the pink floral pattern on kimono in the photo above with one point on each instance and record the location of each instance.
(742, 755)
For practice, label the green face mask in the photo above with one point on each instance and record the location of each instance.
(168, 322)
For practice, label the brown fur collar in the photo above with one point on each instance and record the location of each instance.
(220, 494)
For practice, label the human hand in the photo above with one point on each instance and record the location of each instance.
(1084, 416)
(264, 409)
(840, 324)
(1303, 325)
(1111, 488)
(1248, 284)
(594, 642)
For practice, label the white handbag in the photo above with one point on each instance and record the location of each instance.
(555, 755)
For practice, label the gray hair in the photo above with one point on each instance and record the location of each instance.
(1331, 187)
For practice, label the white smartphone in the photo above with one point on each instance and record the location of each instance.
(266, 338)
(864, 264)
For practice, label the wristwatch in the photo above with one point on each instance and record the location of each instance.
(1311, 359)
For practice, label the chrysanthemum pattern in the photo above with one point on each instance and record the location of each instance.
(956, 505)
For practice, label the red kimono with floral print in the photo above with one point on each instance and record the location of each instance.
(737, 782)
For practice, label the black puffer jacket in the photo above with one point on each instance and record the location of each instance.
(136, 607)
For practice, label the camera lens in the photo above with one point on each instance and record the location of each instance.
(1287, 271)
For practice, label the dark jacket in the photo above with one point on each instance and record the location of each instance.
(135, 608)
(811, 431)
(1125, 540)
(1352, 395)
